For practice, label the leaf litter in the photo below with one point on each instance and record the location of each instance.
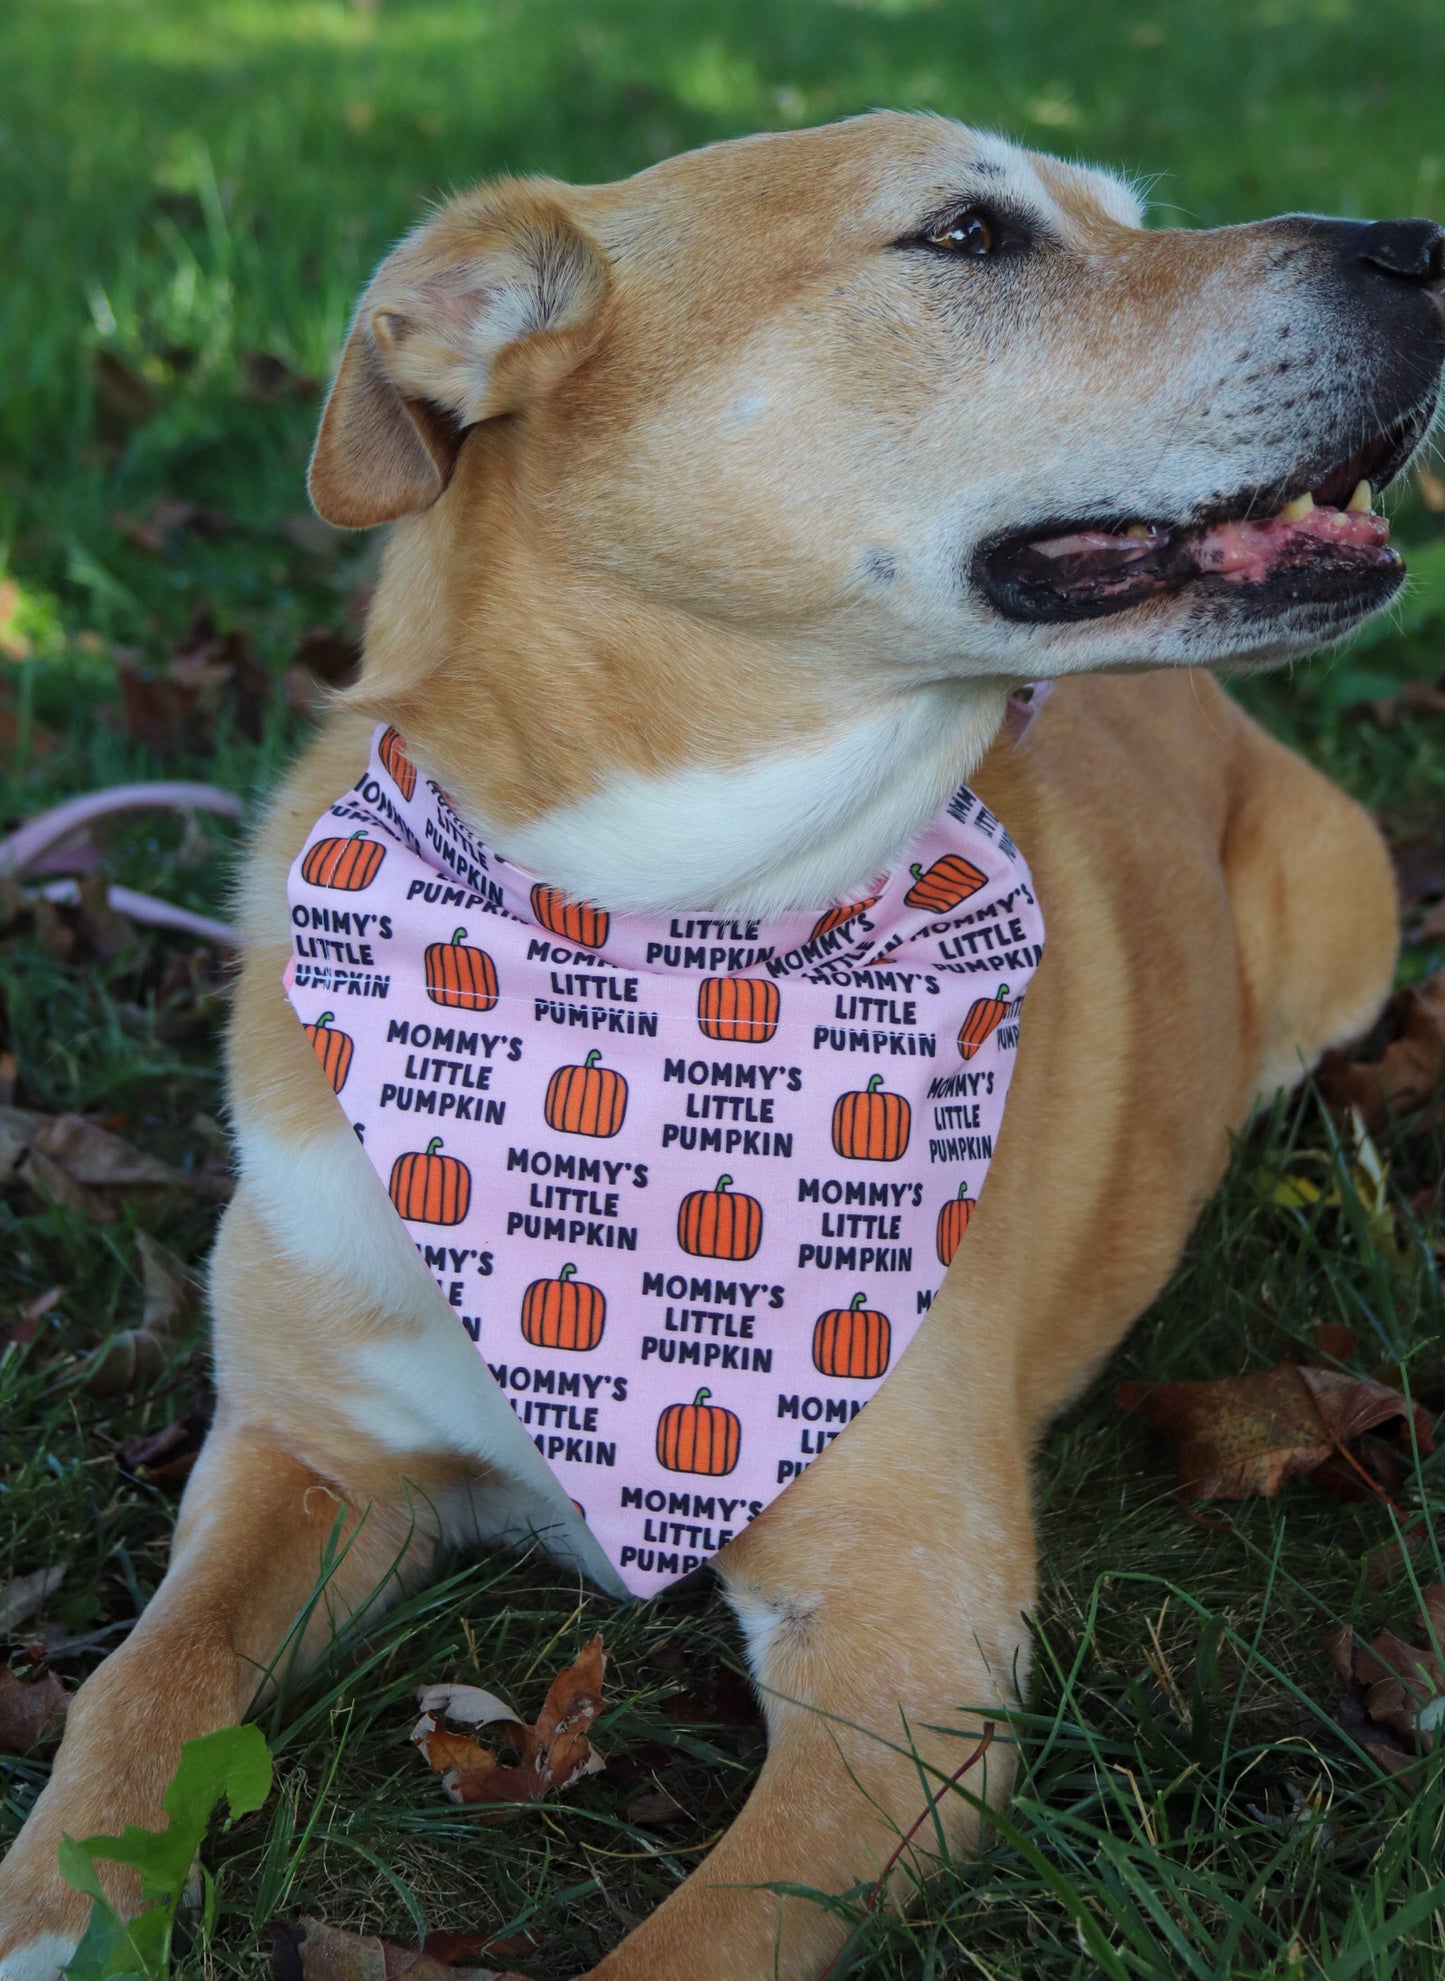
(1247, 1437)
(552, 1755)
(1394, 1699)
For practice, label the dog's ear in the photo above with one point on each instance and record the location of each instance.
(479, 312)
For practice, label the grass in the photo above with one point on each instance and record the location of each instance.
(192, 191)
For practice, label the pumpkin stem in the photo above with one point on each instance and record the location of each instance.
(916, 870)
(701, 1397)
(963, 1193)
(356, 835)
(433, 1145)
(856, 1302)
(724, 1183)
(566, 1272)
(1002, 993)
(593, 1056)
(325, 1019)
(460, 936)
(874, 1084)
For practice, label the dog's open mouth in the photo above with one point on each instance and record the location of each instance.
(1324, 545)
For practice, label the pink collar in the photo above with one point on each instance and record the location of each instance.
(689, 1182)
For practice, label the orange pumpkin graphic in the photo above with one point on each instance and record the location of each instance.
(699, 1437)
(985, 1015)
(871, 1126)
(720, 1223)
(952, 1224)
(392, 751)
(948, 882)
(350, 864)
(586, 1100)
(430, 1188)
(333, 1049)
(578, 921)
(456, 974)
(564, 1312)
(836, 917)
(743, 1010)
(852, 1341)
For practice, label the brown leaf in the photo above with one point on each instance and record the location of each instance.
(1246, 1437)
(135, 1356)
(1409, 1072)
(452, 1947)
(211, 674)
(166, 521)
(89, 1155)
(1419, 868)
(166, 1457)
(23, 1595)
(29, 1711)
(655, 1810)
(1334, 1339)
(552, 1755)
(313, 1951)
(33, 1313)
(1394, 1702)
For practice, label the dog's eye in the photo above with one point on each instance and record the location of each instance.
(973, 232)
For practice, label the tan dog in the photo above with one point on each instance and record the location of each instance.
(732, 501)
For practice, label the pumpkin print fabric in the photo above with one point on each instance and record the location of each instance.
(689, 1182)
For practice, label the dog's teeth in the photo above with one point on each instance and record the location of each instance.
(1362, 499)
(1138, 530)
(1296, 511)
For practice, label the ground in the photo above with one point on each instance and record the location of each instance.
(191, 193)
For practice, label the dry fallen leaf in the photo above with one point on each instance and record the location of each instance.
(135, 1356)
(1394, 1702)
(23, 1595)
(180, 704)
(551, 1756)
(314, 1951)
(655, 1810)
(1246, 1437)
(1409, 1072)
(90, 1155)
(29, 1710)
(165, 1458)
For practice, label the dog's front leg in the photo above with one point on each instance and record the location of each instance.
(258, 1532)
(882, 1597)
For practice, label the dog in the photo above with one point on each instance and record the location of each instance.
(731, 505)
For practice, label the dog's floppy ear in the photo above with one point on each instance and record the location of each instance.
(477, 313)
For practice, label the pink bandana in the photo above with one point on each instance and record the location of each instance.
(689, 1181)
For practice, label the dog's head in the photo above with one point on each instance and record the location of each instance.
(905, 390)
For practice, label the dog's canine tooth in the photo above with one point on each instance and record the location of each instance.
(1296, 511)
(1362, 500)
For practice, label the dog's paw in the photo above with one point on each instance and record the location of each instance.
(40, 1960)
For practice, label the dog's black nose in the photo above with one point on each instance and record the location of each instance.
(1406, 250)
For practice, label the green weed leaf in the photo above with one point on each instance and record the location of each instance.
(234, 1765)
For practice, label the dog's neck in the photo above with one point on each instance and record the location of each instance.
(800, 828)
(653, 761)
